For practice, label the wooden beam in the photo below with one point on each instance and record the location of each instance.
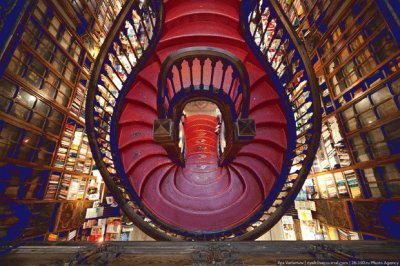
(196, 253)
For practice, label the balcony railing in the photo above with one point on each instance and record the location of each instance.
(129, 44)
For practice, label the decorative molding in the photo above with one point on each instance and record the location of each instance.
(216, 254)
(190, 253)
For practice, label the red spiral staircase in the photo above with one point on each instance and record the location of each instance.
(201, 198)
(222, 196)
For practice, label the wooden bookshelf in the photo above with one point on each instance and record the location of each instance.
(44, 151)
(365, 107)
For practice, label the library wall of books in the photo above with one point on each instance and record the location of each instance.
(47, 171)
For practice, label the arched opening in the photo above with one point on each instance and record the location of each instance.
(201, 109)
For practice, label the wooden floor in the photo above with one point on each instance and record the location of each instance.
(199, 253)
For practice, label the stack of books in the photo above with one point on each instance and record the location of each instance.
(352, 183)
(88, 163)
(82, 112)
(77, 102)
(82, 188)
(83, 150)
(64, 145)
(52, 188)
(73, 188)
(64, 187)
(73, 151)
(341, 185)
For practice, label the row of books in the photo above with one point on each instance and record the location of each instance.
(78, 104)
(64, 145)
(73, 153)
(74, 148)
(78, 101)
(84, 161)
(352, 183)
(82, 188)
(295, 13)
(332, 153)
(73, 187)
(64, 187)
(339, 184)
(82, 111)
(52, 187)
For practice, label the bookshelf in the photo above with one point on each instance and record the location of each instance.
(359, 85)
(44, 151)
(74, 162)
(21, 183)
(357, 62)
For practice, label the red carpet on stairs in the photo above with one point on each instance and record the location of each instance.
(202, 196)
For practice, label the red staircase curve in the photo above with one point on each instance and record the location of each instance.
(202, 196)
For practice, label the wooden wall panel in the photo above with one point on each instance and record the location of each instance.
(71, 215)
(334, 212)
(378, 217)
